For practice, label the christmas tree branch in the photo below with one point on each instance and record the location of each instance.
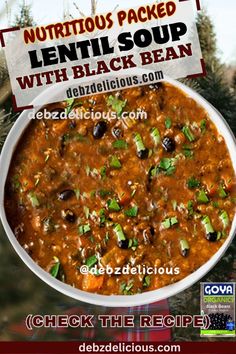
(5, 92)
(78, 9)
(93, 7)
(94, 4)
(6, 122)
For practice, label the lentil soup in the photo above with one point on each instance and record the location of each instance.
(158, 192)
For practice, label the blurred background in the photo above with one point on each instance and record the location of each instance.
(21, 292)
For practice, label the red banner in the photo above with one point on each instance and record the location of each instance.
(117, 347)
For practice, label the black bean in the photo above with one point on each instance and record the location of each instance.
(124, 244)
(117, 132)
(211, 236)
(68, 215)
(152, 230)
(185, 252)
(99, 130)
(168, 144)
(143, 154)
(66, 194)
(219, 321)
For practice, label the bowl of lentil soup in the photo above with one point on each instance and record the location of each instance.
(157, 193)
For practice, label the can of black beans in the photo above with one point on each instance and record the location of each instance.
(218, 302)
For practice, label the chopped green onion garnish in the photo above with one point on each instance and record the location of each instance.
(126, 288)
(103, 193)
(187, 151)
(132, 212)
(222, 193)
(139, 142)
(203, 126)
(155, 136)
(219, 235)
(190, 208)
(146, 281)
(113, 205)
(70, 102)
(119, 232)
(102, 217)
(207, 224)
(120, 144)
(94, 172)
(153, 172)
(168, 123)
(86, 212)
(94, 213)
(193, 183)
(167, 165)
(15, 182)
(33, 199)
(103, 171)
(169, 222)
(130, 243)
(91, 261)
(55, 268)
(116, 104)
(84, 195)
(150, 152)
(202, 197)
(134, 244)
(77, 193)
(224, 217)
(187, 132)
(115, 162)
(92, 194)
(184, 247)
(83, 229)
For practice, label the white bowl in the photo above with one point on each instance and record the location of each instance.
(113, 300)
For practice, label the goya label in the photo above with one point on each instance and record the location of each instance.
(218, 302)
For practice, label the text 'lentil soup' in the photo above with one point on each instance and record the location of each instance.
(158, 192)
